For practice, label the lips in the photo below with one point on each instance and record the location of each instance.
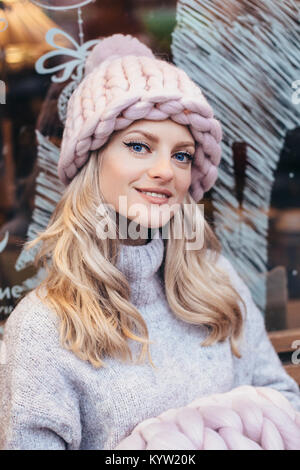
(156, 190)
(152, 199)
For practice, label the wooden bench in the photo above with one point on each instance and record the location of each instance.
(285, 343)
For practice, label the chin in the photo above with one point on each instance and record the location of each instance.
(151, 221)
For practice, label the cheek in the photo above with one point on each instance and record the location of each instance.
(113, 175)
(183, 183)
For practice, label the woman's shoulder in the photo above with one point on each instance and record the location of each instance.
(32, 316)
(226, 265)
(248, 307)
(220, 259)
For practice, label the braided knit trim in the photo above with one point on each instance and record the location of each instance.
(246, 418)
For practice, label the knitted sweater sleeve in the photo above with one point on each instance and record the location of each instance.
(260, 365)
(38, 408)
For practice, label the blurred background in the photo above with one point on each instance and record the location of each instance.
(31, 103)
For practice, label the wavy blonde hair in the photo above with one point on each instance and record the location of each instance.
(92, 297)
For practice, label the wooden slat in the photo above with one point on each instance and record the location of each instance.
(282, 340)
(8, 179)
(293, 313)
(294, 371)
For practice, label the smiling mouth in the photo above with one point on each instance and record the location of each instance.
(154, 199)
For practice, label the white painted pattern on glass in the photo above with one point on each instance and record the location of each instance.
(64, 4)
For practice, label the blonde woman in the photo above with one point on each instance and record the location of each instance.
(138, 311)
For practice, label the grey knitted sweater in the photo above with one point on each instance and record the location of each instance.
(50, 399)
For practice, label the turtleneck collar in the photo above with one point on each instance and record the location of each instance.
(140, 264)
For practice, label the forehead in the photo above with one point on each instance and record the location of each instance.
(162, 129)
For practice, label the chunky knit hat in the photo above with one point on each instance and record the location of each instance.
(124, 82)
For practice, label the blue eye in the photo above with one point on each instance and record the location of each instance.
(187, 155)
(133, 145)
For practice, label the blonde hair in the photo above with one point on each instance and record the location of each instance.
(92, 297)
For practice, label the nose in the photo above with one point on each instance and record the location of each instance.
(162, 168)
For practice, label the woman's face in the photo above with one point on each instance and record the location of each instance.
(132, 160)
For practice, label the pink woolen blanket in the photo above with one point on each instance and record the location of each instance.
(246, 418)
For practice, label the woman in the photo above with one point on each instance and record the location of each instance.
(124, 269)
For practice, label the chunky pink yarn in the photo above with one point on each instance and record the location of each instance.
(125, 82)
(246, 418)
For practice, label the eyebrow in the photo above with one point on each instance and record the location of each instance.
(155, 139)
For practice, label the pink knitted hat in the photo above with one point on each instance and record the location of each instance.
(124, 82)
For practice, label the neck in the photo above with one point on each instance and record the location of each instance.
(141, 265)
(138, 242)
(142, 235)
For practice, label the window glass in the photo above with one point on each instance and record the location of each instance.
(32, 107)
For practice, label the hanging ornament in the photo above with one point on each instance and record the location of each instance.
(61, 4)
